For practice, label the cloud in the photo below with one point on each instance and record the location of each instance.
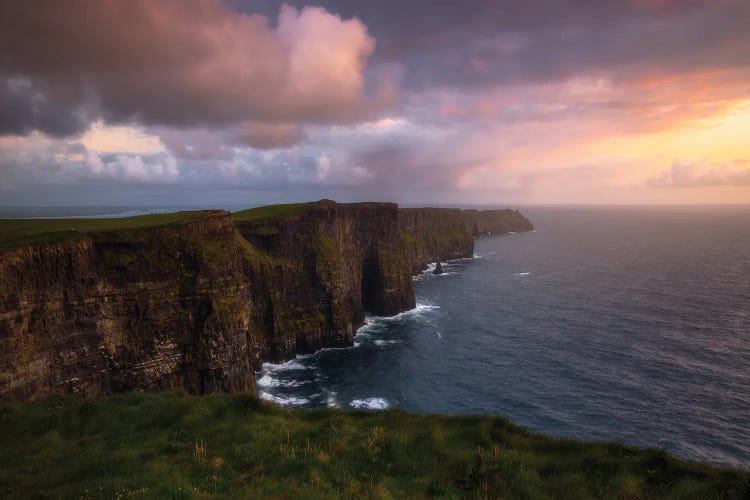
(177, 63)
(266, 136)
(686, 173)
(219, 144)
(133, 168)
(27, 105)
(479, 43)
(27, 163)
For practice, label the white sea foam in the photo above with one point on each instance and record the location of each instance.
(386, 342)
(268, 381)
(292, 364)
(283, 401)
(374, 323)
(522, 274)
(448, 264)
(331, 401)
(370, 403)
(421, 308)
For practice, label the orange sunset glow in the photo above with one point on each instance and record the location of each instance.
(630, 102)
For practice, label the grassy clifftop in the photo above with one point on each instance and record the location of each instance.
(171, 445)
(18, 231)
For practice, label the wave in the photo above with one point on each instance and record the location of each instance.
(426, 273)
(369, 404)
(385, 342)
(268, 381)
(331, 401)
(283, 401)
(276, 380)
(421, 308)
(292, 364)
(522, 274)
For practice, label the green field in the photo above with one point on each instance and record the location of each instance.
(17, 231)
(271, 212)
(171, 445)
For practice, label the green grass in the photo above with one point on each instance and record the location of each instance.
(271, 212)
(177, 446)
(18, 231)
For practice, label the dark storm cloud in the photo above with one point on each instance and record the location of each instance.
(207, 63)
(26, 105)
(480, 42)
(218, 144)
(377, 99)
(181, 63)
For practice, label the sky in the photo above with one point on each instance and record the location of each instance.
(231, 102)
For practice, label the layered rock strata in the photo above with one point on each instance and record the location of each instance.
(200, 304)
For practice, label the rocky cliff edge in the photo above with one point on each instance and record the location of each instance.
(199, 301)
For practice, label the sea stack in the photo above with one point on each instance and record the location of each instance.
(438, 268)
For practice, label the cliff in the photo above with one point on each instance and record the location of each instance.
(481, 222)
(148, 308)
(434, 234)
(437, 234)
(198, 300)
(324, 264)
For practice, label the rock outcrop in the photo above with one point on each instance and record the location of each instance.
(325, 265)
(199, 304)
(153, 308)
(434, 234)
(481, 222)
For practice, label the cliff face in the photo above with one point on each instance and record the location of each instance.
(199, 304)
(496, 221)
(434, 234)
(152, 308)
(437, 234)
(326, 266)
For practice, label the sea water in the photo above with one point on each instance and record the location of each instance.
(622, 324)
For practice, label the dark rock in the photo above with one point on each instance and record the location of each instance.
(198, 305)
(438, 268)
(431, 234)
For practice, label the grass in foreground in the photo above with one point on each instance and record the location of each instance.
(178, 446)
(17, 231)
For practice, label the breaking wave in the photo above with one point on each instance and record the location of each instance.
(369, 404)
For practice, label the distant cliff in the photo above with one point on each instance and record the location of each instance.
(438, 234)
(434, 234)
(198, 300)
(482, 222)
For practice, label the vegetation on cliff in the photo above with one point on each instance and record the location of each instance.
(171, 445)
(19, 231)
(198, 300)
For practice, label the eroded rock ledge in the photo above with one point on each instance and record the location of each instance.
(199, 304)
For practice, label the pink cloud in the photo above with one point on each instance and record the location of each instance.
(189, 62)
(690, 173)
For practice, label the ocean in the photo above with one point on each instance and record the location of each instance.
(617, 324)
